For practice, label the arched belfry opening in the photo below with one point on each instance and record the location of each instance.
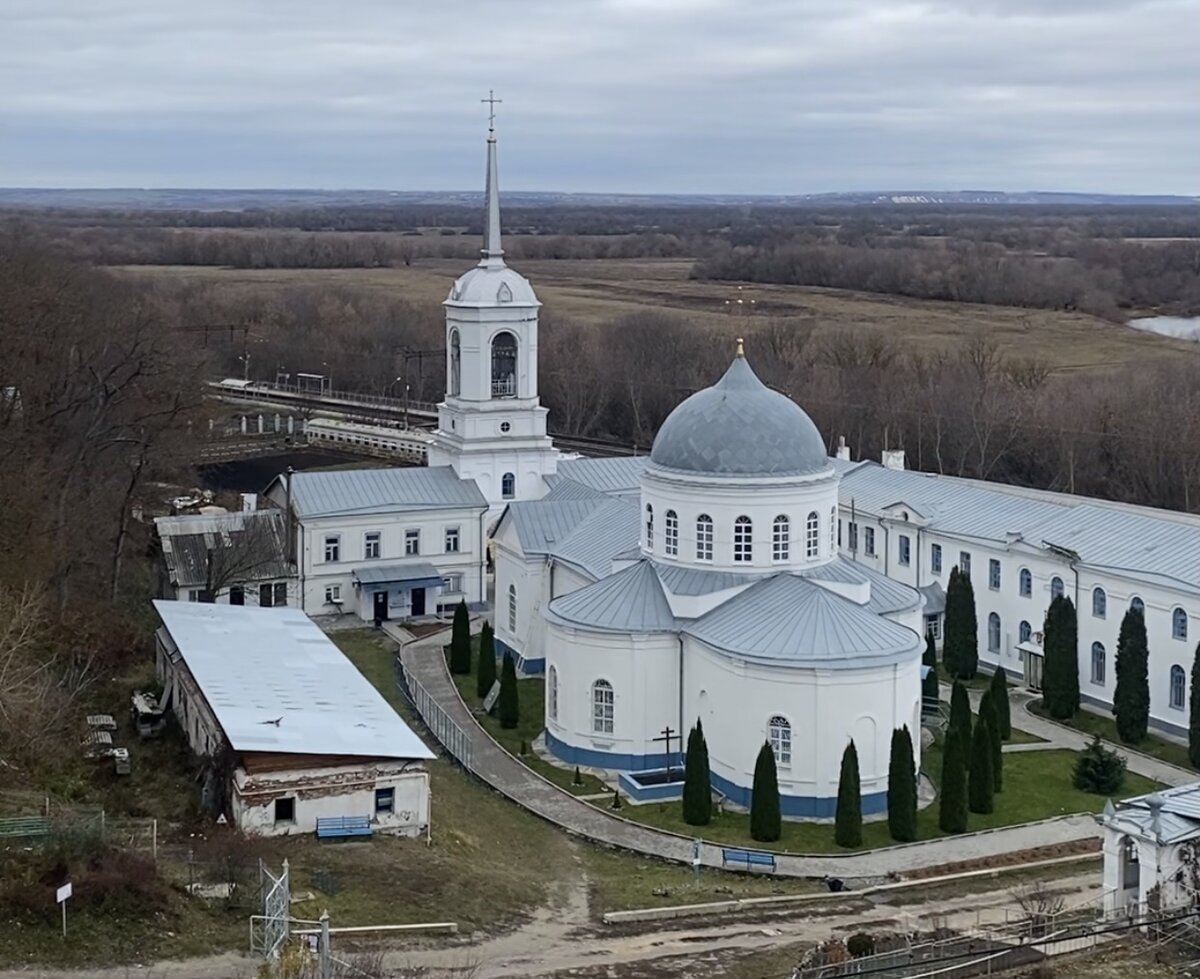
(455, 364)
(504, 365)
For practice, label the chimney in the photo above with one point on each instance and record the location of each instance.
(893, 459)
(843, 450)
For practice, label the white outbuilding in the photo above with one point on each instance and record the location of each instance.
(1152, 851)
(290, 732)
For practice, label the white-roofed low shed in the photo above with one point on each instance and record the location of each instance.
(289, 730)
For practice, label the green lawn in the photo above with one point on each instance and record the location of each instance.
(1018, 736)
(1106, 727)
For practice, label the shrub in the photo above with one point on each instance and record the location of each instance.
(860, 944)
(1098, 769)
(766, 823)
(697, 789)
(902, 788)
(847, 824)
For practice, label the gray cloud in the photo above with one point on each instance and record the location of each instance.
(755, 96)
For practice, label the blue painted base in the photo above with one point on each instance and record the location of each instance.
(649, 793)
(791, 806)
(1155, 723)
(526, 667)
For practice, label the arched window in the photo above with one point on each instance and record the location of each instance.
(649, 527)
(602, 707)
(704, 537)
(1098, 663)
(1179, 624)
(1025, 588)
(994, 633)
(455, 363)
(812, 535)
(1099, 603)
(508, 486)
(743, 549)
(552, 693)
(779, 734)
(1056, 588)
(833, 524)
(780, 538)
(1025, 631)
(1178, 685)
(504, 365)
(1137, 605)
(512, 610)
(671, 533)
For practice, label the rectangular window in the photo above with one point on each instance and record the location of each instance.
(853, 536)
(905, 550)
(839, 536)
(371, 544)
(964, 563)
(452, 584)
(333, 594)
(265, 596)
(285, 810)
(780, 539)
(704, 539)
(742, 547)
(993, 574)
(333, 548)
(451, 540)
(385, 800)
(933, 625)
(869, 541)
(237, 595)
(935, 558)
(193, 595)
(280, 589)
(412, 542)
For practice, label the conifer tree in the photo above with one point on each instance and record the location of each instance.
(960, 637)
(1194, 713)
(952, 804)
(765, 821)
(1131, 698)
(1098, 769)
(902, 788)
(982, 785)
(697, 789)
(485, 674)
(1000, 702)
(508, 707)
(987, 708)
(951, 617)
(460, 640)
(847, 824)
(960, 712)
(1060, 674)
(929, 686)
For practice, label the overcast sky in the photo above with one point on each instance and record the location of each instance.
(695, 96)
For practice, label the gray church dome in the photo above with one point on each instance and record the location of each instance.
(739, 426)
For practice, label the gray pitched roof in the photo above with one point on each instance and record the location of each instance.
(562, 488)
(739, 426)
(631, 600)
(610, 529)
(698, 581)
(886, 595)
(615, 475)
(788, 618)
(350, 491)
(1177, 817)
(245, 547)
(541, 524)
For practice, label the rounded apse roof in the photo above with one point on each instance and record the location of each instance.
(740, 427)
(492, 284)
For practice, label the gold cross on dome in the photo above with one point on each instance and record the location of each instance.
(492, 102)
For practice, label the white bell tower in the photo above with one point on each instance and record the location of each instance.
(492, 426)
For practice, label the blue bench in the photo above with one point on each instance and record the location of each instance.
(748, 858)
(337, 827)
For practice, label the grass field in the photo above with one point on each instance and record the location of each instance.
(1106, 727)
(597, 290)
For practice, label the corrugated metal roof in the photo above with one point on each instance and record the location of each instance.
(413, 572)
(610, 529)
(542, 523)
(568, 489)
(789, 618)
(348, 491)
(614, 475)
(887, 595)
(245, 547)
(631, 600)
(276, 683)
(935, 598)
(698, 581)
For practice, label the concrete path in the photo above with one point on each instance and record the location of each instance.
(425, 662)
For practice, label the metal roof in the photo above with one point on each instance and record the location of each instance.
(245, 547)
(414, 573)
(794, 620)
(396, 490)
(610, 529)
(887, 595)
(740, 427)
(631, 600)
(1167, 816)
(542, 523)
(568, 489)
(935, 598)
(679, 580)
(278, 684)
(615, 475)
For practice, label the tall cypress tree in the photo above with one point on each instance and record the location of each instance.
(968, 649)
(982, 784)
(929, 686)
(1060, 673)
(697, 789)
(960, 712)
(847, 823)
(952, 803)
(1000, 702)
(1194, 713)
(902, 788)
(1131, 698)
(987, 709)
(485, 674)
(765, 821)
(460, 640)
(508, 707)
(951, 619)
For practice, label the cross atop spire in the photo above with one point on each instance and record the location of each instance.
(492, 102)
(493, 254)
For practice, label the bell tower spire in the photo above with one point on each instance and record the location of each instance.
(493, 253)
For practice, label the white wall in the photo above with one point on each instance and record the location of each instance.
(250, 591)
(344, 790)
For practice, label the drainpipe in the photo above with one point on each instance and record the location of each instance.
(483, 555)
(680, 700)
(887, 547)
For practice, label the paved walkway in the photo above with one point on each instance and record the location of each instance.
(425, 661)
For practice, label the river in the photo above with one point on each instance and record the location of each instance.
(1181, 327)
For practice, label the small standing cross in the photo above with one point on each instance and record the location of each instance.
(492, 102)
(667, 734)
